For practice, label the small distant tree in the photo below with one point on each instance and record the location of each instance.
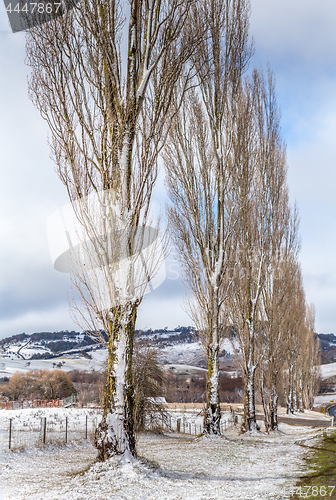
(15, 388)
(149, 385)
(309, 360)
(56, 384)
(38, 384)
(295, 318)
(87, 385)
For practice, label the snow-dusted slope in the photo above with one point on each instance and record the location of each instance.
(67, 363)
(179, 468)
(328, 370)
(17, 353)
(188, 353)
(175, 347)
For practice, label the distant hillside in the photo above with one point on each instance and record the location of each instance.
(328, 347)
(45, 345)
(178, 345)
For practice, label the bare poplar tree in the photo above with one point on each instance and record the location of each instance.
(277, 294)
(294, 324)
(107, 116)
(309, 359)
(261, 184)
(301, 372)
(200, 176)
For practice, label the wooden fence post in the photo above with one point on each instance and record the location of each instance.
(86, 426)
(44, 429)
(10, 434)
(66, 429)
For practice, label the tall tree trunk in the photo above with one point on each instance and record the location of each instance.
(289, 398)
(250, 422)
(274, 406)
(295, 392)
(301, 402)
(264, 403)
(249, 407)
(212, 412)
(115, 433)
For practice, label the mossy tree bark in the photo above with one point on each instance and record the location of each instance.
(250, 366)
(263, 399)
(115, 433)
(213, 413)
(250, 423)
(274, 404)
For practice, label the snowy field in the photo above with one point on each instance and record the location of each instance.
(9, 366)
(62, 424)
(170, 467)
(188, 353)
(328, 370)
(323, 399)
(181, 353)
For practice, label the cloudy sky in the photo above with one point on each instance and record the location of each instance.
(298, 40)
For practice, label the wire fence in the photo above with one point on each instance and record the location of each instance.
(186, 423)
(20, 431)
(31, 428)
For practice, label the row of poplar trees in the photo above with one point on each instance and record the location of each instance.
(122, 84)
(233, 224)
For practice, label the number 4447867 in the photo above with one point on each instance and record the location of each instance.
(41, 8)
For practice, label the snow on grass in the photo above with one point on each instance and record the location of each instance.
(70, 363)
(322, 399)
(188, 353)
(171, 467)
(328, 370)
(61, 422)
(181, 353)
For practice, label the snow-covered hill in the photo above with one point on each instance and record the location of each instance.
(77, 351)
(45, 345)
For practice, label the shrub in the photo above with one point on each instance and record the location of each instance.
(38, 384)
(149, 385)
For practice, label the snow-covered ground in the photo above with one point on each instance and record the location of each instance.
(171, 467)
(188, 353)
(328, 370)
(62, 423)
(9, 366)
(26, 424)
(324, 399)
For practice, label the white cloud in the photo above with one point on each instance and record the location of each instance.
(53, 319)
(300, 32)
(298, 39)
